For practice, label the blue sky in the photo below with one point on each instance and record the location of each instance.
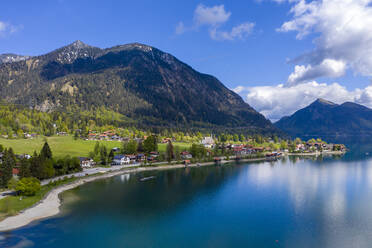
(239, 42)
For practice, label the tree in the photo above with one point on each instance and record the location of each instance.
(140, 147)
(103, 155)
(111, 156)
(1, 148)
(47, 169)
(6, 168)
(76, 135)
(198, 150)
(24, 170)
(177, 153)
(45, 152)
(283, 145)
(130, 147)
(236, 138)
(150, 144)
(28, 186)
(96, 148)
(169, 152)
(35, 166)
(12, 184)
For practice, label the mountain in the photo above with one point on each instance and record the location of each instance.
(141, 82)
(10, 57)
(326, 119)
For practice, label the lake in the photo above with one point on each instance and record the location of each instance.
(294, 202)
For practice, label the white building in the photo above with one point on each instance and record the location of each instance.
(208, 142)
(86, 162)
(120, 160)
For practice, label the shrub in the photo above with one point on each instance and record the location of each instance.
(28, 186)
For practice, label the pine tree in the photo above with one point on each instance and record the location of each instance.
(96, 148)
(170, 153)
(111, 156)
(46, 153)
(36, 166)
(24, 170)
(6, 168)
(103, 155)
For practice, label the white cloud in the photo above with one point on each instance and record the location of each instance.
(238, 32)
(277, 101)
(213, 18)
(214, 15)
(328, 68)
(344, 33)
(180, 28)
(7, 28)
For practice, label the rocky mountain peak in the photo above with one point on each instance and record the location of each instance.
(10, 58)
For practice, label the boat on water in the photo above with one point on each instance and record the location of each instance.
(143, 179)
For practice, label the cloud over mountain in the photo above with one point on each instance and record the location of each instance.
(277, 101)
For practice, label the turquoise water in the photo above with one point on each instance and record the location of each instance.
(326, 202)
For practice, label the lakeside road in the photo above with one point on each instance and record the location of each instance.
(51, 203)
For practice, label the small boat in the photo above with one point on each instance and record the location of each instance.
(143, 179)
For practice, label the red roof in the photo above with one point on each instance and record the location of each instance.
(15, 171)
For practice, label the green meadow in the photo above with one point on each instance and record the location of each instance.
(183, 146)
(60, 145)
(67, 145)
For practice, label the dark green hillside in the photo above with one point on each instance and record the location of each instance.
(135, 80)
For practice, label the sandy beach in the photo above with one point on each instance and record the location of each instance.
(51, 203)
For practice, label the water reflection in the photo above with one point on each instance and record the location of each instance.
(295, 202)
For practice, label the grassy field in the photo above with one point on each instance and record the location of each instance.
(67, 145)
(181, 145)
(60, 145)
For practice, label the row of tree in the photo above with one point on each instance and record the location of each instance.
(40, 166)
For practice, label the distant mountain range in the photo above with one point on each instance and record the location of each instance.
(143, 83)
(326, 119)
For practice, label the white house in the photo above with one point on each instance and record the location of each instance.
(120, 160)
(86, 162)
(208, 142)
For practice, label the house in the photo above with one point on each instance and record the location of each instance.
(186, 155)
(86, 162)
(22, 156)
(258, 149)
(132, 158)
(115, 149)
(154, 154)
(141, 157)
(166, 140)
(92, 136)
(62, 133)
(15, 172)
(120, 160)
(208, 142)
(115, 137)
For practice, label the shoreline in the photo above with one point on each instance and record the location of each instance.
(50, 205)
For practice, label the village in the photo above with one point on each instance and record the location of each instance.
(207, 149)
(214, 151)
